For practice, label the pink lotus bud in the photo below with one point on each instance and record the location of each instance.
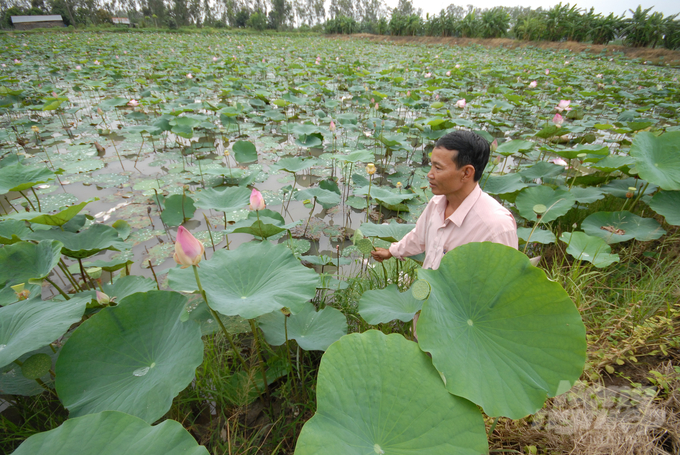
(460, 104)
(558, 161)
(533, 84)
(376, 106)
(133, 103)
(428, 74)
(215, 59)
(448, 73)
(256, 200)
(547, 72)
(188, 249)
(54, 94)
(408, 93)
(457, 66)
(96, 62)
(558, 120)
(494, 145)
(189, 76)
(78, 67)
(17, 61)
(332, 126)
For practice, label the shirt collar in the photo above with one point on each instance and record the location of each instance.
(461, 212)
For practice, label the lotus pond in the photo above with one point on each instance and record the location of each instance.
(286, 338)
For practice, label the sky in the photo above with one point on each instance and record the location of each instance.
(618, 7)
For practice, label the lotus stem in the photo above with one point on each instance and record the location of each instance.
(310, 217)
(116, 149)
(290, 359)
(207, 223)
(368, 198)
(29, 201)
(138, 153)
(36, 199)
(219, 321)
(638, 197)
(70, 278)
(10, 204)
(83, 274)
(153, 272)
(58, 289)
(253, 328)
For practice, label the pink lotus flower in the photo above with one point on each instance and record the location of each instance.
(494, 145)
(96, 62)
(188, 249)
(559, 161)
(332, 126)
(78, 67)
(461, 104)
(428, 74)
(563, 105)
(533, 84)
(256, 200)
(457, 66)
(599, 76)
(17, 61)
(408, 93)
(558, 120)
(189, 76)
(376, 106)
(215, 59)
(547, 72)
(4, 66)
(102, 298)
(448, 73)
(133, 103)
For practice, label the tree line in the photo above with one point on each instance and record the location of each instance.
(562, 22)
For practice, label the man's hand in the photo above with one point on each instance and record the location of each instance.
(380, 254)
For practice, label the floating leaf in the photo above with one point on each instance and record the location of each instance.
(392, 232)
(556, 203)
(85, 243)
(313, 330)
(667, 204)
(501, 334)
(538, 235)
(244, 152)
(134, 357)
(57, 219)
(379, 394)
(227, 199)
(24, 261)
(385, 305)
(112, 433)
(178, 209)
(18, 177)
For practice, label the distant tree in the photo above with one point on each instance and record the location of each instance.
(342, 8)
(280, 14)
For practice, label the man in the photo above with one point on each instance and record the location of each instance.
(460, 212)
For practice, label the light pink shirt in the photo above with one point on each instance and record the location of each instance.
(480, 218)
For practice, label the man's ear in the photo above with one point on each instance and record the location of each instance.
(469, 172)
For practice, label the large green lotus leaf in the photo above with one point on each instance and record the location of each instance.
(365, 156)
(500, 332)
(616, 227)
(123, 287)
(542, 170)
(503, 184)
(294, 164)
(383, 195)
(8, 296)
(244, 152)
(657, 158)
(31, 324)
(588, 149)
(57, 219)
(586, 195)
(13, 231)
(112, 433)
(556, 203)
(18, 177)
(26, 261)
(178, 209)
(667, 204)
(512, 147)
(313, 331)
(584, 247)
(325, 198)
(538, 235)
(134, 357)
(621, 187)
(385, 305)
(85, 243)
(227, 199)
(255, 279)
(379, 394)
(392, 232)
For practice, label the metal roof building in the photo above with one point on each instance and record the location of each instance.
(30, 22)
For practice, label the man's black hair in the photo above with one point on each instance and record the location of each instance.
(471, 147)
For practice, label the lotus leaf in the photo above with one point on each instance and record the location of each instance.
(13, 382)
(244, 152)
(380, 394)
(13, 231)
(385, 305)
(504, 184)
(557, 203)
(255, 279)
(512, 147)
(505, 339)
(615, 227)
(57, 219)
(586, 195)
(325, 198)
(657, 158)
(538, 235)
(313, 330)
(227, 199)
(178, 209)
(385, 195)
(18, 177)
(584, 247)
(24, 261)
(667, 204)
(32, 324)
(85, 243)
(112, 433)
(392, 232)
(542, 170)
(134, 357)
(620, 187)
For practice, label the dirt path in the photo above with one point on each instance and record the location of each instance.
(657, 56)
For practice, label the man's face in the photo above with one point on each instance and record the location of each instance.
(445, 177)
